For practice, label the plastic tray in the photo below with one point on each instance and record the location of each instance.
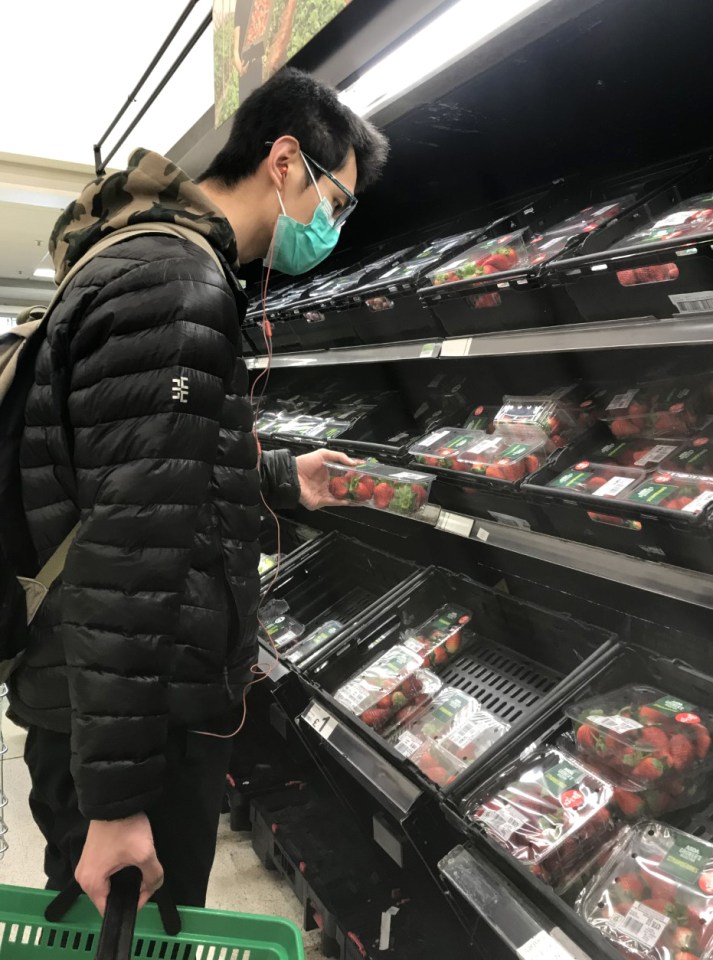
(658, 409)
(443, 448)
(505, 458)
(515, 664)
(654, 897)
(380, 486)
(683, 494)
(597, 480)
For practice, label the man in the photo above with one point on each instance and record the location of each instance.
(139, 428)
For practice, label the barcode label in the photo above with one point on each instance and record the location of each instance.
(408, 744)
(465, 733)
(483, 445)
(504, 822)
(353, 697)
(614, 487)
(693, 302)
(655, 454)
(643, 925)
(622, 400)
(674, 219)
(695, 506)
(616, 724)
(434, 438)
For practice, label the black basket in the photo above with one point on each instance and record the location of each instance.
(668, 673)
(644, 531)
(339, 580)
(522, 660)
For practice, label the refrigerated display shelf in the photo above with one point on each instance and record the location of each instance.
(680, 330)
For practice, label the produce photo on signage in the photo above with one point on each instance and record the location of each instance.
(254, 38)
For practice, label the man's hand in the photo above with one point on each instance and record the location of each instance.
(314, 478)
(112, 845)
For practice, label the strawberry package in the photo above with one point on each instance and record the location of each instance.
(443, 759)
(443, 448)
(692, 456)
(380, 486)
(598, 480)
(550, 816)
(505, 457)
(391, 682)
(537, 418)
(654, 897)
(682, 493)
(440, 638)
(481, 417)
(553, 241)
(491, 257)
(411, 727)
(649, 737)
(689, 218)
(645, 453)
(660, 409)
(314, 640)
(281, 630)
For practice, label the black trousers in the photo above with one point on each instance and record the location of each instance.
(184, 822)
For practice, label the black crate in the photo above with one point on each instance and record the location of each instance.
(632, 664)
(318, 329)
(649, 532)
(522, 660)
(342, 580)
(394, 315)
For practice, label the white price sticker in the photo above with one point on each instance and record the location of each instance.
(504, 822)
(405, 475)
(489, 444)
(353, 697)
(699, 302)
(614, 486)
(655, 454)
(543, 947)
(643, 925)
(695, 506)
(408, 744)
(615, 724)
(622, 400)
(674, 219)
(467, 732)
(433, 438)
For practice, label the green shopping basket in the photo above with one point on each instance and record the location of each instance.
(25, 934)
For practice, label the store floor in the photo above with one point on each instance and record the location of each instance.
(238, 882)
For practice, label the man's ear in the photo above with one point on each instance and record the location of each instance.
(284, 152)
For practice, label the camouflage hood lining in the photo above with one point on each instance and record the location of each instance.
(151, 190)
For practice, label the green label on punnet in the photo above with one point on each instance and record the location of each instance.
(515, 451)
(653, 493)
(562, 777)
(572, 478)
(673, 706)
(686, 860)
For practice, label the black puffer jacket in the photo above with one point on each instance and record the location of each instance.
(153, 623)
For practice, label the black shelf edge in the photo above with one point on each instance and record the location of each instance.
(387, 784)
(517, 922)
(680, 330)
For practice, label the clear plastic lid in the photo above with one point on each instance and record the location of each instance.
(442, 448)
(642, 734)
(484, 259)
(682, 493)
(692, 456)
(654, 897)
(433, 721)
(550, 815)
(316, 428)
(436, 763)
(530, 418)
(266, 563)
(314, 640)
(380, 486)
(386, 686)
(481, 417)
(550, 243)
(602, 480)
(658, 409)
(645, 453)
(470, 737)
(506, 457)
(690, 218)
(440, 638)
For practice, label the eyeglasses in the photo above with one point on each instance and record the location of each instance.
(344, 212)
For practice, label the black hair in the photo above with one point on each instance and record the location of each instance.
(294, 103)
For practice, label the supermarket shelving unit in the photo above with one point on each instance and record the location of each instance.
(518, 125)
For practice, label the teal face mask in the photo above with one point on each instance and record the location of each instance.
(297, 247)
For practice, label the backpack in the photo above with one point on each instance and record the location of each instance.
(22, 587)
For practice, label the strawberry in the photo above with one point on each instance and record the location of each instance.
(649, 769)
(682, 751)
(375, 717)
(683, 938)
(339, 488)
(685, 955)
(383, 495)
(420, 496)
(649, 714)
(588, 738)
(438, 656)
(532, 464)
(629, 885)
(411, 686)
(385, 703)
(655, 738)
(701, 739)
(453, 643)
(360, 491)
(630, 804)
(438, 774)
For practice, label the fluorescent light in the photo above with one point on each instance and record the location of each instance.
(444, 40)
(46, 273)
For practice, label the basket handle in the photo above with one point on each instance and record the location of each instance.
(117, 932)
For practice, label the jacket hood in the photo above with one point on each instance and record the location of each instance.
(152, 189)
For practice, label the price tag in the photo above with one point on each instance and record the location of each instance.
(543, 947)
(321, 721)
(614, 486)
(455, 523)
(428, 350)
(483, 535)
(695, 506)
(504, 822)
(408, 744)
(615, 724)
(644, 925)
(433, 438)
